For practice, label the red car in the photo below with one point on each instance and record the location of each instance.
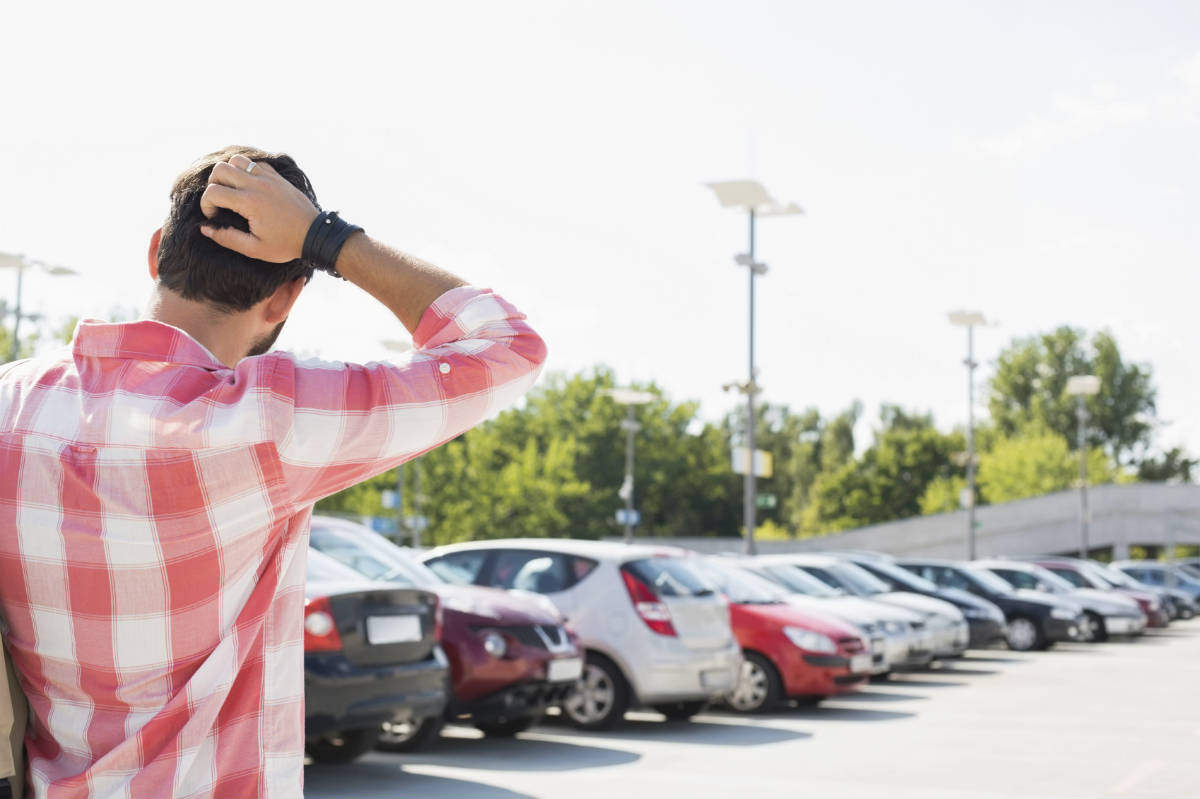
(511, 656)
(789, 653)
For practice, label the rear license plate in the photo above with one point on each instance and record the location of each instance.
(393, 629)
(564, 670)
(860, 663)
(716, 679)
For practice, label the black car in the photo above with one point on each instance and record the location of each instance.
(985, 620)
(1035, 620)
(371, 657)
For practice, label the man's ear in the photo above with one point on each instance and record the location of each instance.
(279, 304)
(152, 256)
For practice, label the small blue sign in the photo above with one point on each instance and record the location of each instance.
(626, 516)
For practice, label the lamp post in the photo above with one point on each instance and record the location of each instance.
(1081, 387)
(629, 398)
(20, 263)
(751, 197)
(970, 320)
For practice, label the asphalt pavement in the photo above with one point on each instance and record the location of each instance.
(1118, 720)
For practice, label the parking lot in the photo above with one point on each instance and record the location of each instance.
(1118, 719)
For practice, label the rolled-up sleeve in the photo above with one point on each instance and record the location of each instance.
(336, 424)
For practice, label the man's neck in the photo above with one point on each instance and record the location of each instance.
(220, 334)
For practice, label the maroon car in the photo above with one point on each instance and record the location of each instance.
(511, 657)
(1080, 575)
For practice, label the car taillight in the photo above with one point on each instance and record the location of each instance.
(320, 630)
(653, 611)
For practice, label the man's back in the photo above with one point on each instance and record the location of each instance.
(154, 512)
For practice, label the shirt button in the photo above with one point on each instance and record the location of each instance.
(444, 368)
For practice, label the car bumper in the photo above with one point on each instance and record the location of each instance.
(1124, 625)
(951, 640)
(1158, 618)
(340, 695)
(910, 651)
(512, 702)
(688, 675)
(985, 632)
(1064, 629)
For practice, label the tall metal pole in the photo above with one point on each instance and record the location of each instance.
(16, 334)
(751, 484)
(1082, 414)
(971, 364)
(630, 428)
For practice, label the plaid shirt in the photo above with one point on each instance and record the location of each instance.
(154, 509)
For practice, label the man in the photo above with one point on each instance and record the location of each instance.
(157, 478)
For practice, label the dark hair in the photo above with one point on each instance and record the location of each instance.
(196, 267)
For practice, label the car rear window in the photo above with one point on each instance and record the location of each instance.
(460, 568)
(669, 576)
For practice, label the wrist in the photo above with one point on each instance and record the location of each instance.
(327, 235)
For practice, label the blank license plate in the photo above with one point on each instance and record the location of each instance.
(393, 629)
(860, 663)
(716, 678)
(564, 669)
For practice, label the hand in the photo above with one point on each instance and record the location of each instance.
(279, 214)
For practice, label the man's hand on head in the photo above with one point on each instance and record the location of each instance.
(279, 214)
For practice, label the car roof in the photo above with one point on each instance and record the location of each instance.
(932, 562)
(801, 559)
(597, 550)
(999, 563)
(1152, 563)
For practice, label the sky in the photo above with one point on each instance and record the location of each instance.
(1036, 161)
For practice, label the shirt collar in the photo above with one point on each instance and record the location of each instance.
(144, 340)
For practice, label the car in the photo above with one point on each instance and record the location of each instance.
(511, 657)
(985, 621)
(654, 632)
(1105, 613)
(1179, 604)
(1034, 620)
(371, 657)
(1162, 575)
(788, 653)
(897, 637)
(943, 620)
(1082, 574)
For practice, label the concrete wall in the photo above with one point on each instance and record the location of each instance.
(1121, 516)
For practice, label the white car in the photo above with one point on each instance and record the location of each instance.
(655, 632)
(945, 623)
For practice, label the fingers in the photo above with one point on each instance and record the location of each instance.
(233, 239)
(220, 196)
(240, 161)
(229, 175)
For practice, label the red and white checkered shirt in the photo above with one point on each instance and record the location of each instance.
(154, 509)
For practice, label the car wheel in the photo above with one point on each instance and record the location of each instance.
(1186, 612)
(409, 736)
(758, 687)
(600, 696)
(507, 728)
(681, 711)
(341, 747)
(1024, 634)
(1094, 629)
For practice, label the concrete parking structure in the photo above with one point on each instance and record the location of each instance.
(1082, 721)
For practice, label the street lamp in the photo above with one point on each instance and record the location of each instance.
(751, 197)
(21, 263)
(970, 320)
(1081, 387)
(629, 398)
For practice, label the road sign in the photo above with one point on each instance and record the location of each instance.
(763, 463)
(766, 501)
(385, 525)
(388, 498)
(416, 523)
(626, 516)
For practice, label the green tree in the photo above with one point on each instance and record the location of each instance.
(1039, 463)
(1029, 389)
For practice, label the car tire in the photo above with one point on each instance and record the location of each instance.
(1024, 635)
(681, 711)
(341, 747)
(1097, 632)
(411, 736)
(600, 697)
(507, 728)
(1185, 612)
(759, 687)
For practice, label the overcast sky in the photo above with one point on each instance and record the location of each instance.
(1034, 160)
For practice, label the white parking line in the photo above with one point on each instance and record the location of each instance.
(1144, 770)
